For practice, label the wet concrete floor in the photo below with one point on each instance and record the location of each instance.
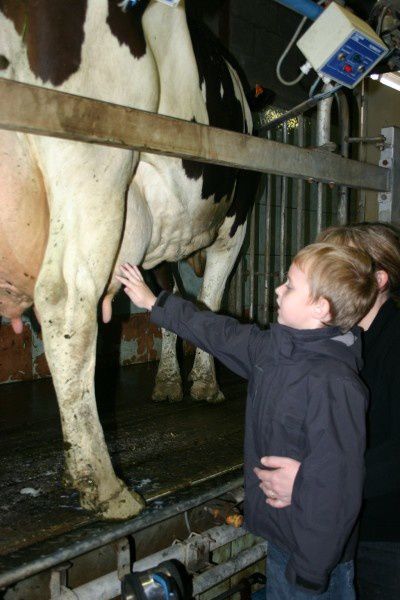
(155, 447)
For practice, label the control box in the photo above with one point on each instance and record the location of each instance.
(341, 46)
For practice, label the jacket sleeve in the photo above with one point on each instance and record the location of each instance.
(382, 461)
(327, 492)
(232, 343)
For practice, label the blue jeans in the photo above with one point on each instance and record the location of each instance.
(378, 571)
(340, 587)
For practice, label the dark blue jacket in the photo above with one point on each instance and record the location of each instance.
(306, 401)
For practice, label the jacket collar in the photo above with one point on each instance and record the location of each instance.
(329, 341)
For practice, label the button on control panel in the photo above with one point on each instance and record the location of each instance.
(350, 62)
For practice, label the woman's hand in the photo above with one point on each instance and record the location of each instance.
(276, 481)
(135, 287)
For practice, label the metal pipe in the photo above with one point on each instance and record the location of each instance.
(232, 294)
(252, 258)
(298, 110)
(283, 217)
(344, 127)
(108, 586)
(379, 139)
(239, 288)
(362, 151)
(300, 192)
(267, 249)
(323, 137)
(307, 8)
(20, 565)
(212, 577)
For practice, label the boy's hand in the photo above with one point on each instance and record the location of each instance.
(277, 480)
(135, 287)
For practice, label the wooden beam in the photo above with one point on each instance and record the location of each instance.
(42, 111)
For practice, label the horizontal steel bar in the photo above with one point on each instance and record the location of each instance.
(41, 111)
(45, 555)
(109, 586)
(379, 139)
(211, 577)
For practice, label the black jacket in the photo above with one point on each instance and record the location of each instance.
(380, 517)
(306, 401)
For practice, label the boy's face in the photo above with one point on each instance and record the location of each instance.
(295, 307)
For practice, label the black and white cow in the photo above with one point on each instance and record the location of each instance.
(71, 212)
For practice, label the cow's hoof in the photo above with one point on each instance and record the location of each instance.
(124, 504)
(170, 390)
(201, 391)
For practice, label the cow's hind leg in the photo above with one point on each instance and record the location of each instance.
(168, 384)
(221, 257)
(86, 211)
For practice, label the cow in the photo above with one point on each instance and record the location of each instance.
(71, 212)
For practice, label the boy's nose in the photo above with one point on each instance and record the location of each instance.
(278, 289)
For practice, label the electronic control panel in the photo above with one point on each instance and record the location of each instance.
(350, 63)
(341, 46)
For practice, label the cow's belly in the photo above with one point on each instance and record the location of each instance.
(182, 222)
(24, 224)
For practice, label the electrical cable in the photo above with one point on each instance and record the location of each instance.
(284, 54)
(314, 87)
(287, 50)
(380, 20)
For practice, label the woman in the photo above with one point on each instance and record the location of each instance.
(378, 558)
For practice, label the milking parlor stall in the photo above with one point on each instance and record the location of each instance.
(206, 142)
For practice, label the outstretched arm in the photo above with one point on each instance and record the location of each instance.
(234, 344)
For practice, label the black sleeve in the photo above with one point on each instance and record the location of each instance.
(232, 343)
(383, 462)
(327, 492)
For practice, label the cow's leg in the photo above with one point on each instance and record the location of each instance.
(86, 194)
(168, 384)
(221, 257)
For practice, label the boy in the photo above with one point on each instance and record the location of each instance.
(305, 401)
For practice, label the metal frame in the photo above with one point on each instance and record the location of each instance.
(26, 562)
(36, 110)
(389, 201)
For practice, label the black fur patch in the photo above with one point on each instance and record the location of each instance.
(127, 27)
(223, 111)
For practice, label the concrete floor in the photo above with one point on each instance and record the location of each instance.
(155, 448)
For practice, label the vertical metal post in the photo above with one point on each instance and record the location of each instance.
(283, 223)
(232, 294)
(239, 288)
(344, 126)
(267, 249)
(58, 583)
(300, 192)
(323, 137)
(123, 552)
(252, 258)
(362, 108)
(389, 202)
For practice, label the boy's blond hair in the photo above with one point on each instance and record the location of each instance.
(343, 276)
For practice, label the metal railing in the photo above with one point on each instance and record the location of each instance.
(289, 213)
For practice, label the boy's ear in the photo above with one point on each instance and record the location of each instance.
(382, 278)
(322, 310)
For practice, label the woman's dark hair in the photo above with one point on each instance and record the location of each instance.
(380, 240)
